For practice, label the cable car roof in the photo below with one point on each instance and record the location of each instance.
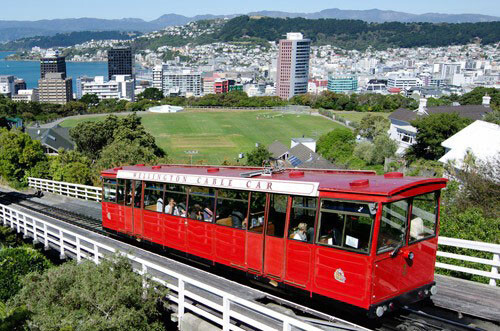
(287, 181)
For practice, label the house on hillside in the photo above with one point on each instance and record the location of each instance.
(405, 134)
(52, 139)
(480, 139)
(301, 154)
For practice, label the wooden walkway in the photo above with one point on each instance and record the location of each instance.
(468, 297)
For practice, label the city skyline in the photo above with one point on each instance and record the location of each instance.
(35, 10)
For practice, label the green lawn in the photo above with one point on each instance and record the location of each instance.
(221, 135)
(356, 116)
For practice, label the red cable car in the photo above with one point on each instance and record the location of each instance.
(361, 239)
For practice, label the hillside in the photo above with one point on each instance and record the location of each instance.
(357, 34)
(65, 39)
(11, 30)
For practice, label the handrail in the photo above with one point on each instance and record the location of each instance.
(82, 247)
(79, 191)
(93, 193)
(493, 275)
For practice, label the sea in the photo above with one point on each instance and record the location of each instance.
(30, 70)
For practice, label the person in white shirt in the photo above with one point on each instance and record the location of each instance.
(159, 205)
(300, 234)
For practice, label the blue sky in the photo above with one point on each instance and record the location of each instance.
(152, 9)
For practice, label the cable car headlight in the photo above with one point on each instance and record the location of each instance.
(433, 290)
(379, 311)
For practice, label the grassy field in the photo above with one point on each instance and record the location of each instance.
(221, 135)
(356, 116)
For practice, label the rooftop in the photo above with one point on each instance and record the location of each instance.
(290, 181)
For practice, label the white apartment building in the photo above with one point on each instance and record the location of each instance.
(26, 95)
(120, 87)
(403, 82)
(7, 85)
(158, 76)
(184, 83)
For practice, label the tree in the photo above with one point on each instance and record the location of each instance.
(91, 137)
(375, 153)
(372, 125)
(125, 152)
(18, 154)
(72, 167)
(15, 263)
(432, 130)
(86, 296)
(493, 117)
(151, 93)
(13, 319)
(337, 145)
(258, 156)
(90, 99)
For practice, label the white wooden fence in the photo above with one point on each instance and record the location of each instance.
(493, 275)
(95, 194)
(223, 308)
(77, 191)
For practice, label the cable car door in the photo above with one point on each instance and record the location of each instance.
(274, 236)
(137, 194)
(255, 232)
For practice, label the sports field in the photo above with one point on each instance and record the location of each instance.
(222, 135)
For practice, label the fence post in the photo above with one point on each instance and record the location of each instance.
(78, 256)
(45, 237)
(226, 317)
(180, 297)
(96, 254)
(62, 256)
(494, 270)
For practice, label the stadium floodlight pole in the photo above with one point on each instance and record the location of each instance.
(191, 153)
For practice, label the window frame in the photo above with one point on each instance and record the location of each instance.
(437, 194)
(188, 205)
(407, 224)
(105, 185)
(347, 249)
(246, 216)
(145, 189)
(315, 222)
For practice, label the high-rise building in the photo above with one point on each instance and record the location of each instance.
(342, 84)
(55, 88)
(52, 62)
(79, 85)
(7, 85)
(19, 84)
(183, 83)
(158, 76)
(293, 65)
(120, 61)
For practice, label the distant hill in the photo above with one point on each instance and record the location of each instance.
(11, 30)
(65, 39)
(357, 34)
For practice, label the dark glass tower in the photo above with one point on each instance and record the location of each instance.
(120, 61)
(53, 63)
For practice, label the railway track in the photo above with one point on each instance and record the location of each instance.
(410, 319)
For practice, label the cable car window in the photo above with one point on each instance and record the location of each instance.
(393, 222)
(201, 203)
(109, 190)
(277, 215)
(257, 212)
(232, 208)
(153, 197)
(346, 225)
(302, 218)
(424, 213)
(175, 200)
(137, 193)
(128, 193)
(121, 191)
